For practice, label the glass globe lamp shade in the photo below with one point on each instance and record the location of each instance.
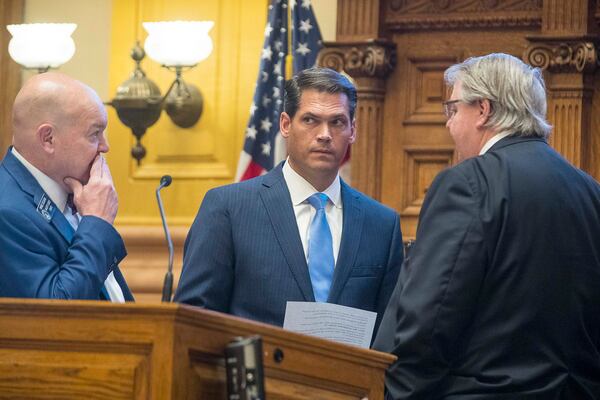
(41, 46)
(178, 43)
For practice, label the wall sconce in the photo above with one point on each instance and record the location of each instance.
(41, 46)
(177, 46)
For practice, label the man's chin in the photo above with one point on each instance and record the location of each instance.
(325, 167)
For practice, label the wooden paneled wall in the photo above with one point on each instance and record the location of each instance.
(398, 50)
(11, 12)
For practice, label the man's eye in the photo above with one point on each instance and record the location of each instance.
(338, 122)
(309, 120)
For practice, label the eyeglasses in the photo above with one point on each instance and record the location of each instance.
(450, 107)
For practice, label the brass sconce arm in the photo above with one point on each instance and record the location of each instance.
(183, 102)
(139, 103)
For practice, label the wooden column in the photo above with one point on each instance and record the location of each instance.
(362, 51)
(567, 51)
(11, 12)
(368, 64)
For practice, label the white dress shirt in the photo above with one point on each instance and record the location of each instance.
(300, 190)
(494, 139)
(59, 197)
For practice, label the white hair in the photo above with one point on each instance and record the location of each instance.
(515, 90)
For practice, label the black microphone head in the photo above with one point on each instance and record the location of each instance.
(166, 180)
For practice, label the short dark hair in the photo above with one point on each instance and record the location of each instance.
(321, 80)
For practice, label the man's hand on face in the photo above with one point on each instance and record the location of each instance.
(98, 197)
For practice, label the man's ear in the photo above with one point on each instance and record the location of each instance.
(45, 136)
(352, 138)
(485, 111)
(284, 124)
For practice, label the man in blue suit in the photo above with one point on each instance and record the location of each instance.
(58, 202)
(257, 244)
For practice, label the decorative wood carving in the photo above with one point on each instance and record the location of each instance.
(568, 49)
(374, 59)
(462, 14)
(560, 56)
(559, 36)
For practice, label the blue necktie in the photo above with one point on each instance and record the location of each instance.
(320, 249)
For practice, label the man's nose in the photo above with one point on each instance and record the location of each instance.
(324, 133)
(103, 147)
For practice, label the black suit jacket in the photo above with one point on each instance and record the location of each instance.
(500, 295)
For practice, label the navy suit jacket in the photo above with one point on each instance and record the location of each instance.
(499, 297)
(41, 255)
(244, 256)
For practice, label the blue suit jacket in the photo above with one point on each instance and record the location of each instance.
(244, 254)
(41, 255)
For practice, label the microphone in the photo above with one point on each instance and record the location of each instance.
(168, 285)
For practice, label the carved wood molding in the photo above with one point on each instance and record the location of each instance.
(404, 15)
(373, 59)
(558, 55)
(571, 93)
(441, 6)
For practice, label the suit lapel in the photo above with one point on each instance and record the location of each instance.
(41, 201)
(277, 201)
(53, 215)
(351, 232)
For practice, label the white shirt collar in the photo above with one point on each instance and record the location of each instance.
(55, 191)
(495, 139)
(300, 189)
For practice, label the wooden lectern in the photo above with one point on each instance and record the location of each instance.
(98, 350)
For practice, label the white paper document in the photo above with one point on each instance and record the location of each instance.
(331, 321)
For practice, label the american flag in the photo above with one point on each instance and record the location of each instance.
(264, 147)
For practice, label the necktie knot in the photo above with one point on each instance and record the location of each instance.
(318, 200)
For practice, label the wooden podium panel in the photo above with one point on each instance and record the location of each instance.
(52, 349)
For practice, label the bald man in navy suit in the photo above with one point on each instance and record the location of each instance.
(58, 202)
